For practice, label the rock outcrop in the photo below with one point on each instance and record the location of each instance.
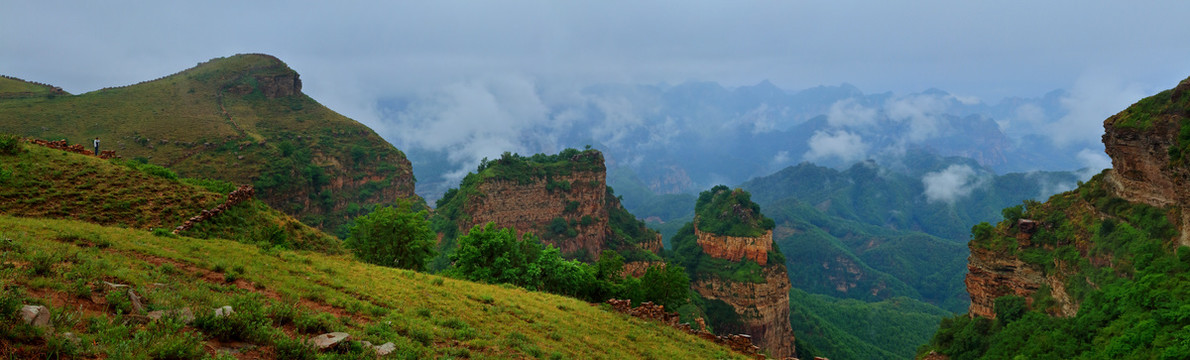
(991, 275)
(564, 200)
(1149, 166)
(1144, 167)
(533, 206)
(735, 248)
(763, 308)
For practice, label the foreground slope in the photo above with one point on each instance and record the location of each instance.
(241, 119)
(1099, 272)
(281, 295)
(40, 182)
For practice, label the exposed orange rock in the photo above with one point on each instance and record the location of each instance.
(763, 308)
(1141, 164)
(531, 207)
(735, 248)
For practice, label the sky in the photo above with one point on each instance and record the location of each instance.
(351, 53)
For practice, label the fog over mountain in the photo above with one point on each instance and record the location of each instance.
(686, 137)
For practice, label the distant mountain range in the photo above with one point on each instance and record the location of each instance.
(687, 137)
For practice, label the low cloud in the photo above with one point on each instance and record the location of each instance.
(951, 184)
(472, 120)
(836, 144)
(1094, 98)
(1093, 162)
(920, 113)
(847, 113)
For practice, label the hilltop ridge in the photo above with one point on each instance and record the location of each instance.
(241, 119)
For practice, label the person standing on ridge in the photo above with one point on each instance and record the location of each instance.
(96, 146)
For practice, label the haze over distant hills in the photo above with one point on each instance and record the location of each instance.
(686, 137)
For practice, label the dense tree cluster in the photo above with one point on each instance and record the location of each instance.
(495, 255)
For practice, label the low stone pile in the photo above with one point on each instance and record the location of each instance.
(239, 195)
(76, 148)
(649, 311)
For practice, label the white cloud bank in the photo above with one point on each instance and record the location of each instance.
(951, 184)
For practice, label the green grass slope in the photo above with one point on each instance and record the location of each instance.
(40, 182)
(241, 119)
(281, 296)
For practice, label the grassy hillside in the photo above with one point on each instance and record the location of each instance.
(279, 296)
(241, 119)
(39, 182)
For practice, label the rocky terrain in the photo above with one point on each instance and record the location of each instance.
(1145, 143)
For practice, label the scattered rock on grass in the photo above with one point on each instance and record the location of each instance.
(226, 310)
(36, 315)
(329, 340)
(182, 314)
(137, 307)
(381, 350)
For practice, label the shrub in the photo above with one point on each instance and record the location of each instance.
(248, 323)
(315, 323)
(290, 348)
(9, 144)
(393, 236)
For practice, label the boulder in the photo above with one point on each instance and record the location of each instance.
(329, 340)
(137, 307)
(36, 315)
(182, 314)
(226, 310)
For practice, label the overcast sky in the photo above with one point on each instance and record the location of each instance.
(350, 53)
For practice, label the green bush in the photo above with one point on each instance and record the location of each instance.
(289, 348)
(10, 144)
(393, 236)
(248, 322)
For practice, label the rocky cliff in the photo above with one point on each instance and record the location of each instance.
(736, 248)
(763, 308)
(729, 252)
(563, 199)
(532, 207)
(1148, 144)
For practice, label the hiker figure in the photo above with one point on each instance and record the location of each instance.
(97, 146)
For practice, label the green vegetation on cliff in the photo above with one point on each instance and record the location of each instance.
(723, 211)
(625, 232)
(1121, 265)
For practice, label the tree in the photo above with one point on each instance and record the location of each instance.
(666, 285)
(393, 236)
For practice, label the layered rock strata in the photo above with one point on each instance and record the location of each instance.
(735, 248)
(533, 206)
(763, 308)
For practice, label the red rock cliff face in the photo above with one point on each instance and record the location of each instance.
(735, 248)
(1140, 141)
(531, 207)
(991, 275)
(763, 308)
(1141, 167)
